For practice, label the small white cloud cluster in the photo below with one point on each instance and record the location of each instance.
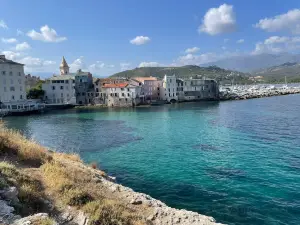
(219, 20)
(46, 34)
(289, 21)
(9, 40)
(149, 64)
(277, 44)
(140, 40)
(192, 50)
(22, 46)
(3, 24)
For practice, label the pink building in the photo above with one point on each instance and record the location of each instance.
(151, 87)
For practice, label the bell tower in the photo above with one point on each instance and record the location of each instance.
(64, 68)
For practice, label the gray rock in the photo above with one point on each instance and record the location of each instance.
(11, 194)
(6, 213)
(29, 219)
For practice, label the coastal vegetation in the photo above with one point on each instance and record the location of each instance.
(47, 181)
(35, 92)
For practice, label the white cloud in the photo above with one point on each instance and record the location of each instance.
(3, 24)
(192, 50)
(22, 46)
(277, 44)
(33, 64)
(289, 21)
(99, 66)
(226, 40)
(125, 66)
(224, 48)
(240, 41)
(11, 55)
(219, 20)
(140, 40)
(191, 59)
(9, 40)
(47, 34)
(149, 64)
(78, 64)
(20, 33)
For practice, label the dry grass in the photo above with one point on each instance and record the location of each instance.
(62, 177)
(12, 142)
(46, 221)
(30, 189)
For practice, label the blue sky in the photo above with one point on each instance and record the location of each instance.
(108, 36)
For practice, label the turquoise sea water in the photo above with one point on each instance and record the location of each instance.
(238, 161)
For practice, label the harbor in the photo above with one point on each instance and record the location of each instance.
(257, 91)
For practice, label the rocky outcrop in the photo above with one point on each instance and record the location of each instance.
(161, 214)
(36, 219)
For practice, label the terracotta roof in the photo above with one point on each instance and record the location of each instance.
(142, 79)
(120, 85)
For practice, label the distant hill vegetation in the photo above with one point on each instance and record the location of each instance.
(213, 72)
(277, 74)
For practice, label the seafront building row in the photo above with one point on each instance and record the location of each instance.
(81, 88)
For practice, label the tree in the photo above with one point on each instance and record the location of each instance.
(36, 92)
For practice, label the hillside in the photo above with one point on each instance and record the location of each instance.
(252, 62)
(213, 72)
(277, 73)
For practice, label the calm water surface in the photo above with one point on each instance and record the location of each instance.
(238, 161)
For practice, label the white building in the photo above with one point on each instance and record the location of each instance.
(123, 94)
(175, 89)
(169, 90)
(12, 81)
(60, 90)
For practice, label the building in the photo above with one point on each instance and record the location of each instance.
(169, 90)
(175, 89)
(150, 87)
(12, 81)
(84, 88)
(198, 89)
(31, 81)
(69, 88)
(123, 94)
(59, 89)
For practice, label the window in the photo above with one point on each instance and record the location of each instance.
(169, 89)
(116, 94)
(61, 87)
(169, 95)
(13, 97)
(122, 89)
(67, 81)
(21, 96)
(53, 87)
(128, 89)
(10, 73)
(3, 72)
(62, 95)
(128, 94)
(12, 88)
(19, 73)
(80, 80)
(19, 80)
(83, 94)
(123, 94)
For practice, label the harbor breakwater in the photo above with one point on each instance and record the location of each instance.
(243, 93)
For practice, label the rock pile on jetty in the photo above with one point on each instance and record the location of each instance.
(242, 93)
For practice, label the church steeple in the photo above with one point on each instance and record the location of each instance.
(64, 68)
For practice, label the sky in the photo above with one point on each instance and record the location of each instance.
(109, 36)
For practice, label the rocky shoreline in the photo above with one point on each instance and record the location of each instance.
(260, 93)
(158, 213)
(38, 186)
